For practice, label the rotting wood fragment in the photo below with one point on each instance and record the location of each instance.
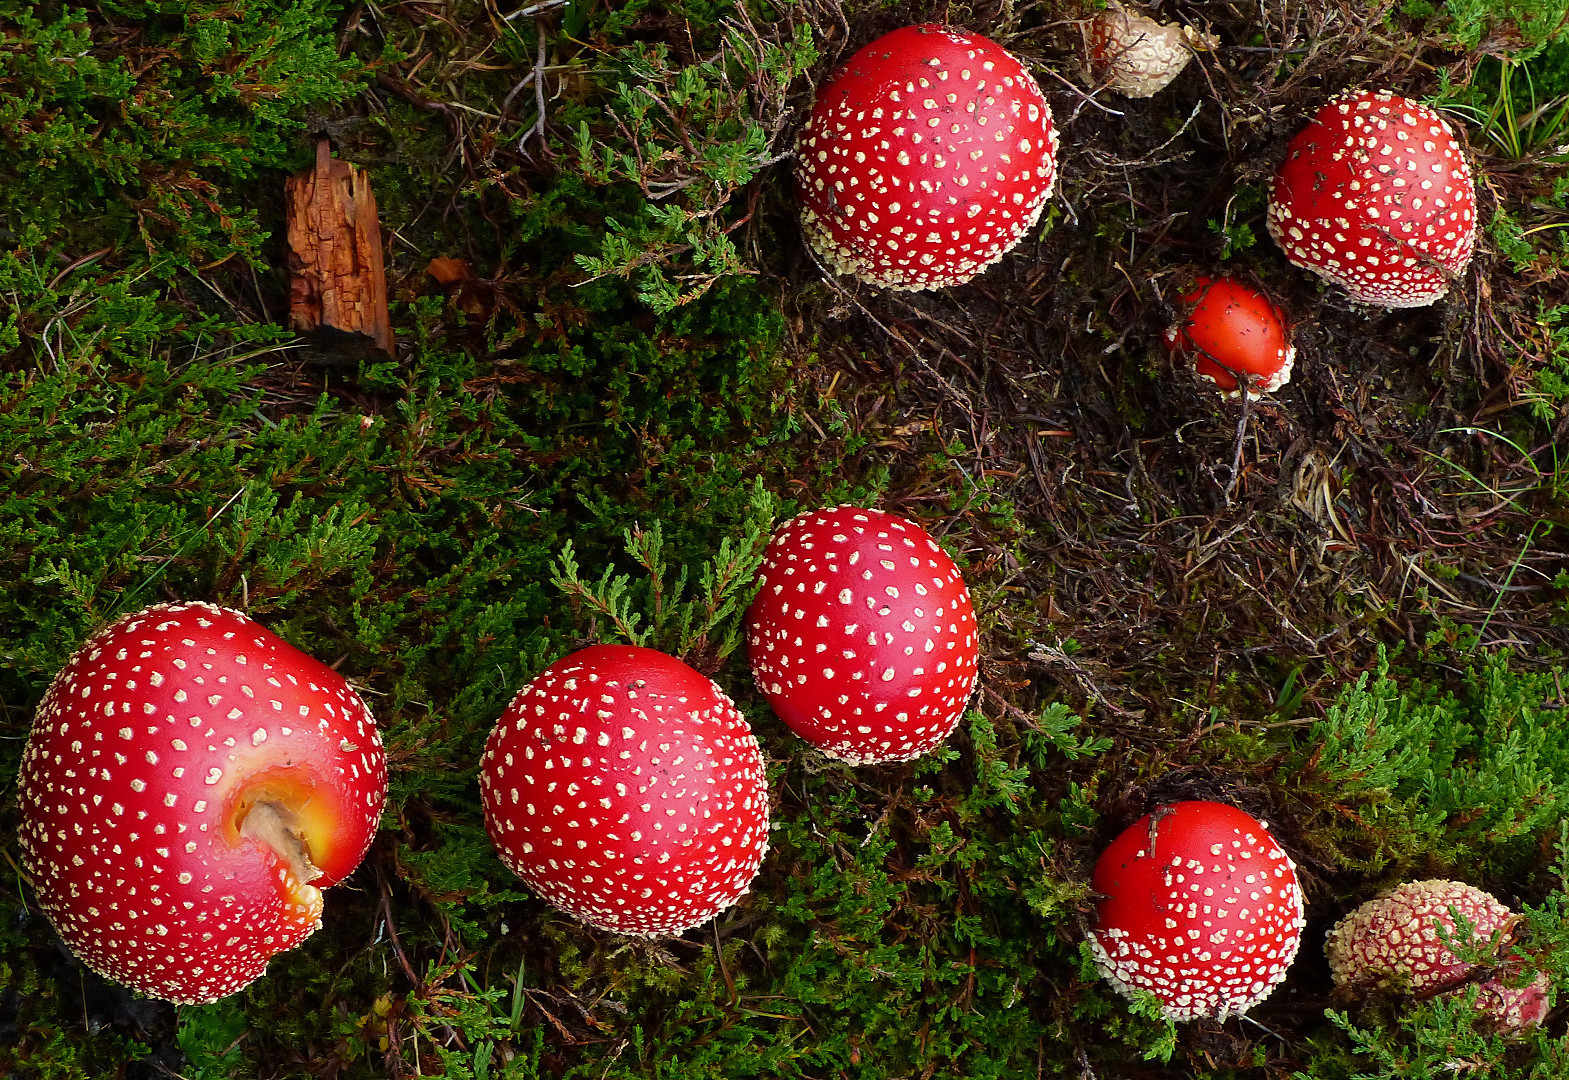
(336, 277)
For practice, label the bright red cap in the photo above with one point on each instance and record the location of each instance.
(862, 635)
(626, 789)
(1231, 330)
(191, 783)
(927, 157)
(1376, 196)
(1394, 941)
(1201, 908)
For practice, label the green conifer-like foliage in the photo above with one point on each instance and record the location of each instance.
(1478, 777)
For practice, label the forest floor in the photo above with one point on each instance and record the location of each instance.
(1343, 607)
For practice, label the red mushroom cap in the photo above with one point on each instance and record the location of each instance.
(1231, 330)
(862, 635)
(1394, 940)
(626, 789)
(1201, 908)
(1376, 196)
(927, 157)
(191, 783)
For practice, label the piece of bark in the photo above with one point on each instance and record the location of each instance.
(336, 277)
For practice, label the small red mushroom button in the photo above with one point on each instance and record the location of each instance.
(927, 157)
(626, 789)
(192, 782)
(1376, 196)
(862, 636)
(1394, 941)
(1232, 330)
(1200, 907)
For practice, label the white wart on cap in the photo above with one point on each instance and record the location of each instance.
(927, 157)
(1200, 907)
(862, 635)
(626, 789)
(1376, 196)
(1394, 942)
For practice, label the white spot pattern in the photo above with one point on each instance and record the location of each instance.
(1136, 56)
(195, 923)
(654, 819)
(884, 698)
(1376, 196)
(908, 188)
(1393, 941)
(1202, 909)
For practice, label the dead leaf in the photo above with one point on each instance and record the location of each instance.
(450, 271)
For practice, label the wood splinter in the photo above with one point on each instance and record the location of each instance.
(336, 277)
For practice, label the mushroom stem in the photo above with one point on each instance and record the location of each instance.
(277, 826)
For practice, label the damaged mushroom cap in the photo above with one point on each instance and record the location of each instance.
(1376, 196)
(1394, 941)
(862, 635)
(1136, 56)
(1200, 907)
(626, 789)
(927, 157)
(1232, 330)
(192, 782)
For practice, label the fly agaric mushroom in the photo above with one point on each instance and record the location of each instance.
(1136, 56)
(1375, 195)
(862, 636)
(927, 157)
(626, 789)
(1231, 330)
(1200, 907)
(191, 784)
(1394, 941)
